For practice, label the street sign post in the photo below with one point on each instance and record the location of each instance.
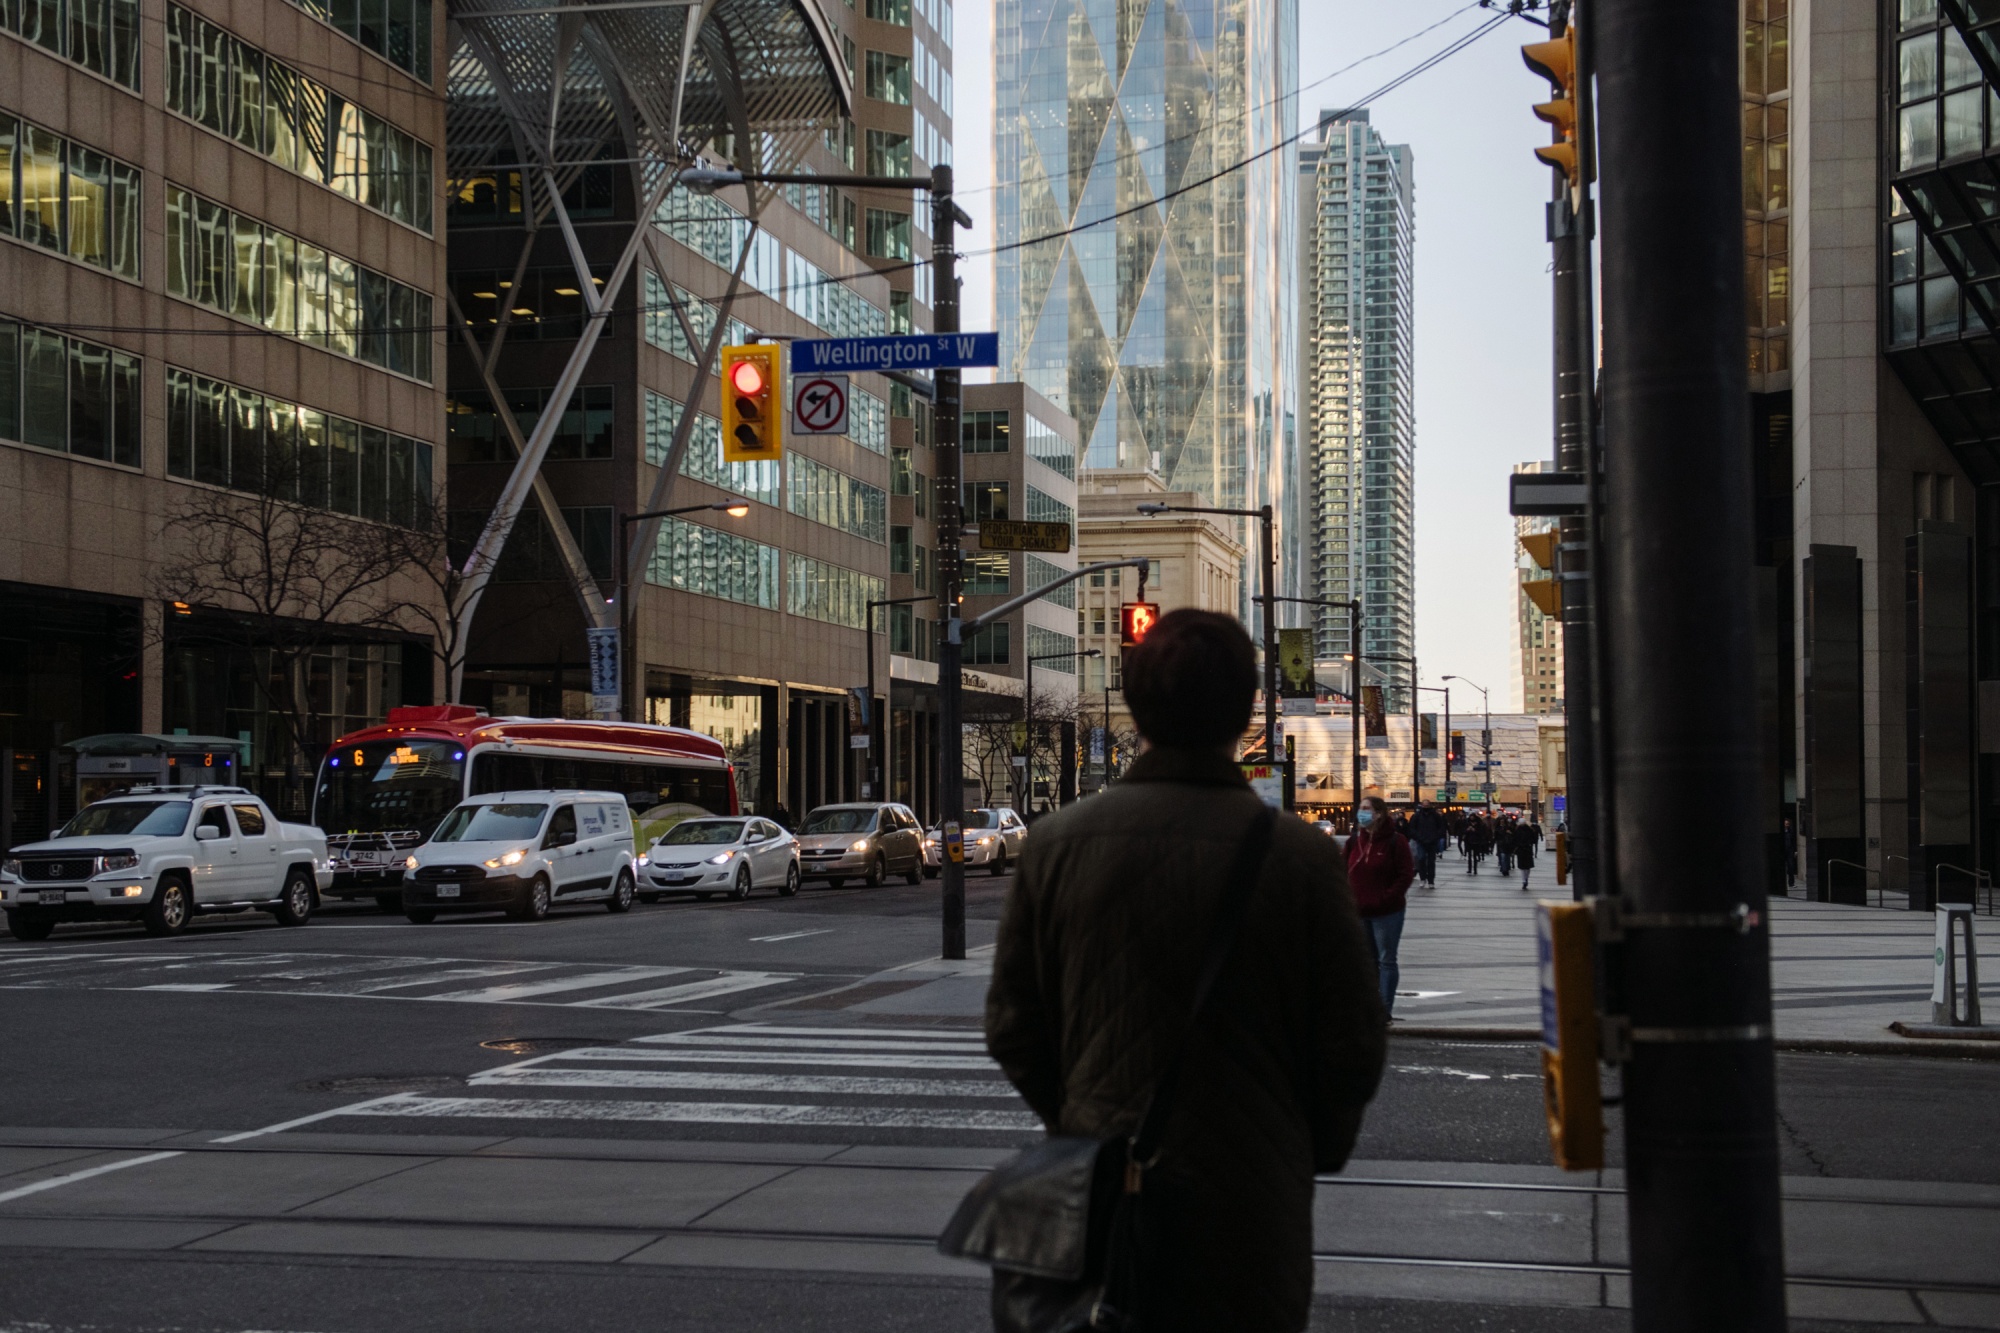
(1000, 534)
(919, 351)
(819, 405)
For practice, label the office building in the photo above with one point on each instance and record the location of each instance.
(1167, 333)
(221, 270)
(1538, 640)
(1356, 338)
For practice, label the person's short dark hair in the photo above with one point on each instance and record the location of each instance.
(1193, 683)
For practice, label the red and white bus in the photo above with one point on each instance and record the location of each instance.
(382, 790)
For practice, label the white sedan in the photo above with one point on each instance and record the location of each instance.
(708, 856)
(993, 838)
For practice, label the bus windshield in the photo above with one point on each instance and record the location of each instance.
(389, 786)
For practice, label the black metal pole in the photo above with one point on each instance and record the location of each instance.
(876, 790)
(1700, 1101)
(626, 655)
(1354, 706)
(1271, 755)
(944, 419)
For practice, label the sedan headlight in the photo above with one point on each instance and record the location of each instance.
(117, 861)
(410, 863)
(644, 860)
(722, 858)
(860, 845)
(512, 858)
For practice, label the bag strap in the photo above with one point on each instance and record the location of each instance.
(1236, 889)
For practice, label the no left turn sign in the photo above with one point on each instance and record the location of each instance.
(819, 405)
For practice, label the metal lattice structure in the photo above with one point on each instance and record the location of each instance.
(543, 91)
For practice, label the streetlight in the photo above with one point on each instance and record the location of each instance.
(1269, 599)
(878, 788)
(1028, 712)
(627, 616)
(1485, 740)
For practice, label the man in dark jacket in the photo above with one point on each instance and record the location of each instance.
(1427, 839)
(1104, 935)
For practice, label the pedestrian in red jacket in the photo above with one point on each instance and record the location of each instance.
(1379, 871)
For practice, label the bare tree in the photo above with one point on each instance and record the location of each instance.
(277, 582)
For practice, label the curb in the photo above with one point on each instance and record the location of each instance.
(1927, 1047)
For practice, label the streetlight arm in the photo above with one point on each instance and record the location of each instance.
(1008, 608)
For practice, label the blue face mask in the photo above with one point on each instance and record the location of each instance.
(1364, 818)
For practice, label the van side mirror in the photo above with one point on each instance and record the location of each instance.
(565, 838)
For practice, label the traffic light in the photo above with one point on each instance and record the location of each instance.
(1555, 60)
(1456, 758)
(1136, 621)
(750, 414)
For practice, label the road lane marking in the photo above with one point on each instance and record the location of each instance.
(352, 1108)
(729, 983)
(706, 1113)
(828, 1059)
(779, 1030)
(588, 981)
(692, 1080)
(758, 1040)
(795, 935)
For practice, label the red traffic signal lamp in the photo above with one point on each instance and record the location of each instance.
(1136, 621)
(752, 424)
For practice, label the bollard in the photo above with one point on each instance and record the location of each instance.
(1944, 975)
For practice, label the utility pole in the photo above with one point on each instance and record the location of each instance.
(1692, 951)
(945, 214)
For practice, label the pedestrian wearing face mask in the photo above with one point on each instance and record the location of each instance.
(1379, 871)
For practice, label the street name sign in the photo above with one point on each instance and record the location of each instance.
(921, 351)
(1002, 534)
(819, 404)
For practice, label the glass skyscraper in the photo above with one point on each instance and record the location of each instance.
(1168, 331)
(1356, 218)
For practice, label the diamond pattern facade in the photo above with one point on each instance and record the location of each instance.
(1167, 330)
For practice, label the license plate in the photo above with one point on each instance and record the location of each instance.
(447, 890)
(367, 859)
(54, 896)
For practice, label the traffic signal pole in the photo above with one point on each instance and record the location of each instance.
(1693, 956)
(950, 541)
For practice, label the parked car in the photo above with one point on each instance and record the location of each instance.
(161, 856)
(710, 855)
(524, 852)
(868, 841)
(993, 838)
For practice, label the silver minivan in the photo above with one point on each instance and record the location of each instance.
(523, 852)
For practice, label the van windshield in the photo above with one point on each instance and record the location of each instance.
(117, 819)
(837, 820)
(491, 823)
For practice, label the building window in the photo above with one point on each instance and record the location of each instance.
(693, 557)
(477, 436)
(900, 318)
(499, 197)
(703, 460)
(888, 234)
(985, 499)
(662, 326)
(68, 197)
(397, 30)
(986, 573)
(712, 228)
(902, 480)
(987, 646)
(868, 422)
(901, 546)
(828, 495)
(889, 78)
(230, 436)
(890, 11)
(1047, 509)
(1056, 648)
(910, 634)
(63, 393)
(1050, 449)
(983, 433)
(273, 110)
(237, 266)
(816, 296)
(833, 593)
(100, 35)
(546, 304)
(888, 153)
(1040, 573)
(531, 554)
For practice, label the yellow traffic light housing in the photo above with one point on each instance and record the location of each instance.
(1572, 1097)
(1555, 60)
(752, 421)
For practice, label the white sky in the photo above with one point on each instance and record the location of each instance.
(1482, 317)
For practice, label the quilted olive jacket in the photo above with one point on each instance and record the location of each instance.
(1093, 978)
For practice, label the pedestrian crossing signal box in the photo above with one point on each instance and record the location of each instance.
(1136, 621)
(1572, 1097)
(752, 425)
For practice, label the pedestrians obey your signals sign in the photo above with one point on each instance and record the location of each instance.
(819, 404)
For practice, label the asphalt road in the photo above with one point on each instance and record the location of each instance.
(665, 1025)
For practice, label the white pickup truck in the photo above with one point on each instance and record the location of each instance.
(160, 855)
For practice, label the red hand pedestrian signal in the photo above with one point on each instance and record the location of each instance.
(1135, 622)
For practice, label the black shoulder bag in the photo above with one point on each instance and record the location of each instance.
(1065, 1224)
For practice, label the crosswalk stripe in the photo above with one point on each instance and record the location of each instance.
(588, 981)
(707, 1113)
(435, 978)
(692, 1080)
(829, 1059)
(777, 1030)
(729, 983)
(708, 1037)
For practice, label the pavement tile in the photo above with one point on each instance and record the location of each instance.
(1959, 1309)
(1940, 1245)
(666, 1150)
(873, 1201)
(1439, 1282)
(1484, 1172)
(497, 1244)
(198, 1184)
(108, 1233)
(67, 1134)
(295, 1140)
(1503, 1225)
(1859, 1305)
(887, 1154)
(818, 1256)
(552, 1193)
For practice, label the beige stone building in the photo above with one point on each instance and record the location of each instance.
(1538, 639)
(220, 258)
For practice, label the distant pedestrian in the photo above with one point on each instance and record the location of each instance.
(1379, 870)
(1791, 854)
(1427, 841)
(1503, 845)
(1106, 931)
(1527, 838)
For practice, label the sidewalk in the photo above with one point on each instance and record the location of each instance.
(1432, 1230)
